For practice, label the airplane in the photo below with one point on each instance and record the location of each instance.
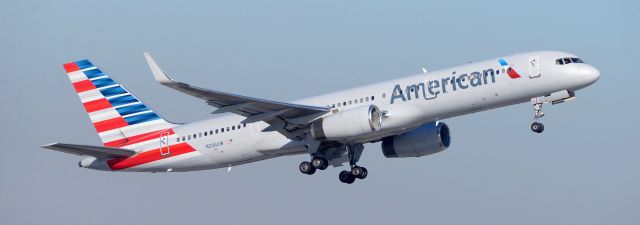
(403, 114)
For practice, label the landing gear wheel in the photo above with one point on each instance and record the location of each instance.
(346, 177)
(359, 172)
(319, 163)
(537, 127)
(306, 168)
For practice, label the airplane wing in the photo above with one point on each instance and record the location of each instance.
(283, 117)
(88, 150)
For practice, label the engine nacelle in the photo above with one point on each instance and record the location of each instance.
(347, 124)
(424, 140)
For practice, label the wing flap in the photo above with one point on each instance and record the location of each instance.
(89, 150)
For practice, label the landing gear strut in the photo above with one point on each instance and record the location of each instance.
(348, 177)
(537, 125)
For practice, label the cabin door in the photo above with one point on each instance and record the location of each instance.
(534, 66)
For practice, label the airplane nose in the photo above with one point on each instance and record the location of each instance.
(590, 74)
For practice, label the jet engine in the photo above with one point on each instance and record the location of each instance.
(424, 140)
(347, 124)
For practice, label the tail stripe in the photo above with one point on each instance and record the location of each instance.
(125, 99)
(110, 124)
(103, 82)
(71, 67)
(126, 110)
(96, 105)
(90, 95)
(115, 90)
(93, 73)
(82, 86)
(83, 64)
(141, 118)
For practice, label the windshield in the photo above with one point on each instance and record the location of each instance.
(564, 61)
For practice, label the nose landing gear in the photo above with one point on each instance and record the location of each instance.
(537, 125)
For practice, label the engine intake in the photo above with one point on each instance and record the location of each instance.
(347, 124)
(424, 140)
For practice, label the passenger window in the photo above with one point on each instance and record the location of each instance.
(373, 98)
(194, 136)
(211, 132)
(178, 140)
(350, 102)
(244, 125)
(222, 130)
(182, 138)
(333, 105)
(344, 103)
(200, 135)
(216, 131)
(189, 137)
(205, 133)
(233, 127)
(497, 71)
(227, 128)
(361, 100)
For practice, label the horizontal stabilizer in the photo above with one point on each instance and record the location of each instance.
(89, 150)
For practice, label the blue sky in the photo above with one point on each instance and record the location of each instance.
(582, 170)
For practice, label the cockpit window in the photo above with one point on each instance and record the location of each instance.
(564, 61)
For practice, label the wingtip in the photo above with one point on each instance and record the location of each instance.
(48, 146)
(160, 76)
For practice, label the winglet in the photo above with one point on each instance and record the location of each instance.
(160, 76)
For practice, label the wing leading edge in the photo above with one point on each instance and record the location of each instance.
(283, 117)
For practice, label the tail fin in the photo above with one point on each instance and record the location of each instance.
(118, 116)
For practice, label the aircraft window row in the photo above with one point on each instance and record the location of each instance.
(564, 61)
(211, 132)
(354, 101)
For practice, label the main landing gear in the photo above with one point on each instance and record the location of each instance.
(348, 177)
(316, 163)
(537, 125)
(345, 176)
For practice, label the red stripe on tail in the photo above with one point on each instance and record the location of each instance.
(110, 124)
(96, 105)
(71, 67)
(82, 86)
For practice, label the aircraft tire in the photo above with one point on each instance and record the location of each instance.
(320, 163)
(306, 168)
(346, 177)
